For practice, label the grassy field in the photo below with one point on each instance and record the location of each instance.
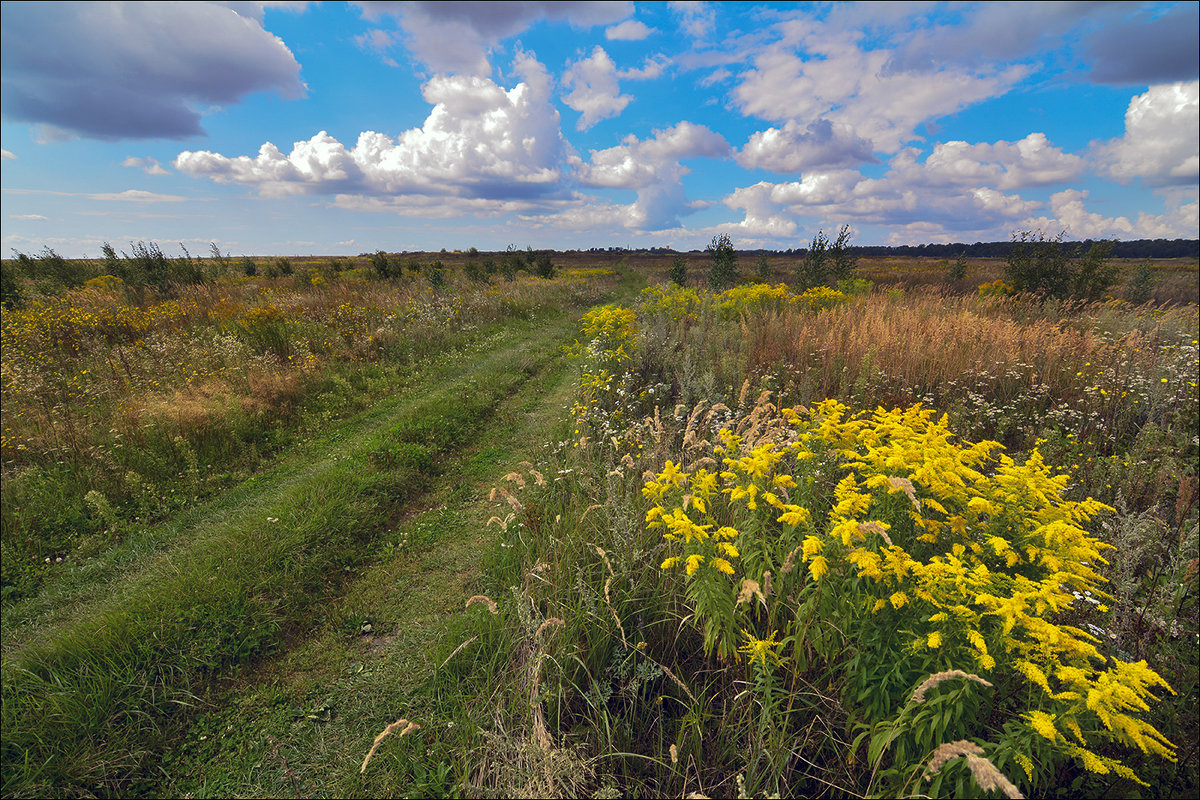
(597, 534)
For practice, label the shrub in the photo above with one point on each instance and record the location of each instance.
(220, 260)
(146, 266)
(49, 266)
(841, 263)
(678, 273)
(1140, 285)
(474, 271)
(958, 270)
(543, 266)
(249, 268)
(511, 264)
(1092, 272)
(763, 270)
(386, 266)
(436, 273)
(12, 293)
(996, 288)
(724, 270)
(827, 261)
(1048, 267)
(104, 283)
(813, 271)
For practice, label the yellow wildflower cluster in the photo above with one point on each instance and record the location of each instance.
(609, 334)
(820, 297)
(972, 557)
(688, 304)
(752, 298)
(996, 288)
(676, 303)
(70, 322)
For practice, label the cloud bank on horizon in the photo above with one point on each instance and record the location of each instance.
(298, 127)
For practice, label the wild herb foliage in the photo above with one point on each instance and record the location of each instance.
(824, 599)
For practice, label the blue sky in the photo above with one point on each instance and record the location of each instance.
(338, 128)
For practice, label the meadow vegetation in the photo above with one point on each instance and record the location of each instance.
(865, 543)
(857, 527)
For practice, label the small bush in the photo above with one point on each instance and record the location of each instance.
(543, 266)
(511, 263)
(958, 270)
(436, 273)
(724, 270)
(1140, 285)
(763, 270)
(474, 271)
(679, 271)
(386, 266)
(827, 261)
(49, 266)
(996, 288)
(104, 283)
(1048, 267)
(12, 293)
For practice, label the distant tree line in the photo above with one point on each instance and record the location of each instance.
(1140, 248)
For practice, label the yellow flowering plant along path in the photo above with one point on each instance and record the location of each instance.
(880, 541)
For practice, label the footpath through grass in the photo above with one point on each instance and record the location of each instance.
(387, 649)
(329, 541)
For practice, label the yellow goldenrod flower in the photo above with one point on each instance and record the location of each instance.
(811, 547)
(760, 650)
(721, 565)
(1043, 723)
(693, 562)
(670, 562)
(818, 567)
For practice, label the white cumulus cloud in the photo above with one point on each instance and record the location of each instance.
(629, 31)
(794, 148)
(1179, 221)
(479, 140)
(594, 89)
(653, 168)
(1032, 161)
(1161, 144)
(815, 71)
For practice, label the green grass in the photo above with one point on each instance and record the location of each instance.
(90, 703)
(413, 598)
